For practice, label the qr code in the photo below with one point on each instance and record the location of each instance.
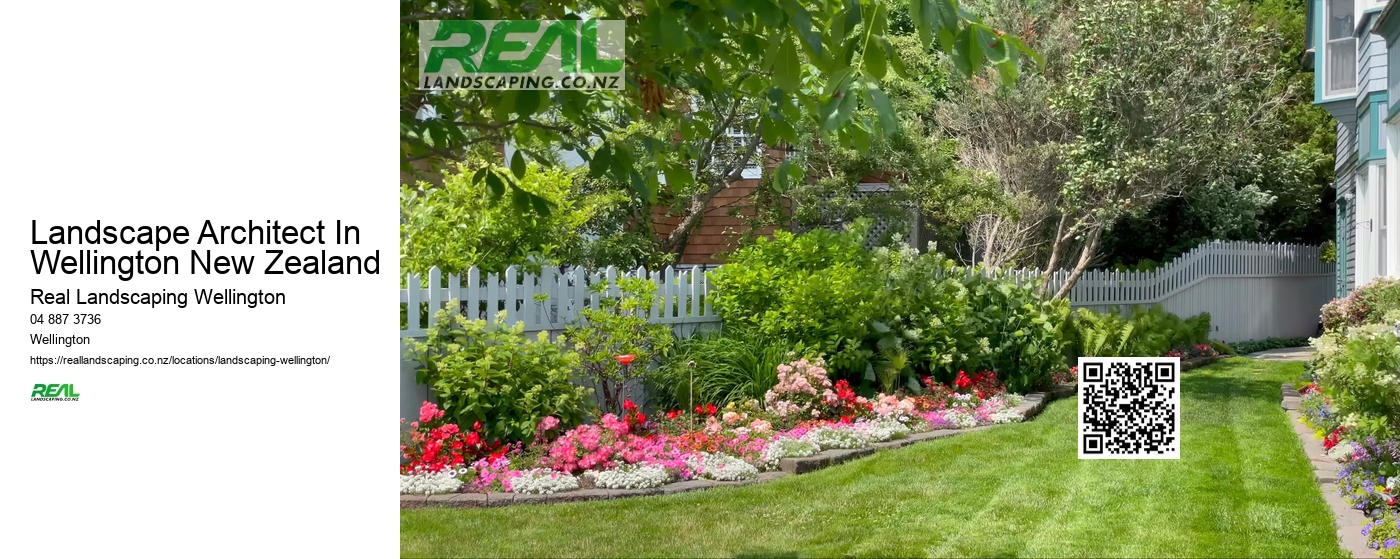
(1129, 407)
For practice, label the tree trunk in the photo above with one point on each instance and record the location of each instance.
(1056, 248)
(1086, 255)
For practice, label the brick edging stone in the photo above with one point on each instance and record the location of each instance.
(1035, 403)
(1325, 470)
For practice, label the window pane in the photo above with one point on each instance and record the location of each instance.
(1339, 22)
(1341, 65)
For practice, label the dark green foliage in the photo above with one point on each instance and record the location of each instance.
(1146, 332)
(495, 375)
(884, 318)
(1251, 346)
(727, 367)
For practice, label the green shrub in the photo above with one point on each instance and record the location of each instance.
(725, 367)
(1255, 346)
(493, 374)
(1018, 332)
(619, 326)
(815, 289)
(1358, 370)
(920, 327)
(1147, 332)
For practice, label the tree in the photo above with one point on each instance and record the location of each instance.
(1140, 102)
(800, 60)
(918, 163)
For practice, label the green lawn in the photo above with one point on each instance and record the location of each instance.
(1242, 489)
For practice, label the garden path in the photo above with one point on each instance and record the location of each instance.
(1285, 354)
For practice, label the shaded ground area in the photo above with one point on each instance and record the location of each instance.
(1242, 488)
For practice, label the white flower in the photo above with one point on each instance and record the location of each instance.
(838, 437)
(543, 481)
(631, 476)
(1343, 453)
(721, 467)
(429, 483)
(787, 447)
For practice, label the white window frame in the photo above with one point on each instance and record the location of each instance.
(1329, 44)
(1382, 219)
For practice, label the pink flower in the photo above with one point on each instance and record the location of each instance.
(549, 422)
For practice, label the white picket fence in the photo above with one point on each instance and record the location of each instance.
(1211, 260)
(552, 299)
(1251, 290)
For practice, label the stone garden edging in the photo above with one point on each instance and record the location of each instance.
(1035, 403)
(1349, 520)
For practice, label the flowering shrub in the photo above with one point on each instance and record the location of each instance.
(428, 483)
(631, 476)
(803, 390)
(434, 444)
(542, 481)
(1198, 351)
(590, 447)
(847, 405)
(1382, 534)
(889, 406)
(720, 467)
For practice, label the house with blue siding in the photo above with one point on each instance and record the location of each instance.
(1351, 48)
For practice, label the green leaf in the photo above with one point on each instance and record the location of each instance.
(601, 161)
(923, 12)
(787, 67)
(874, 57)
(968, 53)
(495, 187)
(527, 101)
(678, 176)
(896, 61)
(801, 21)
(520, 200)
(517, 165)
(889, 123)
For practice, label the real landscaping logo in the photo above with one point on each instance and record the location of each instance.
(521, 54)
(54, 393)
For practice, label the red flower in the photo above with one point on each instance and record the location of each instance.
(476, 426)
(673, 414)
(962, 380)
(846, 419)
(710, 409)
(641, 418)
(628, 405)
(625, 359)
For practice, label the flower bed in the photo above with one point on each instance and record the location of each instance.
(808, 447)
(812, 424)
(1350, 399)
